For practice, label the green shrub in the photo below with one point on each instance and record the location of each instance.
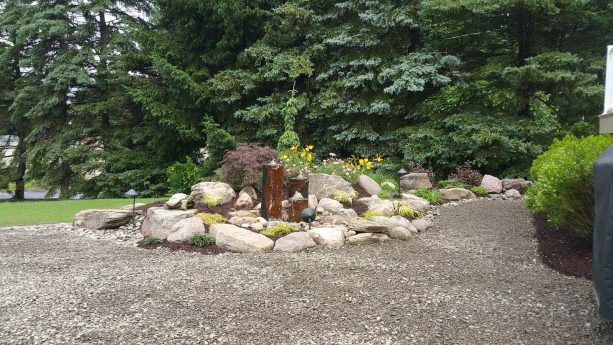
(182, 176)
(218, 141)
(451, 183)
(152, 240)
(211, 218)
(389, 189)
(201, 240)
(344, 197)
(370, 214)
(279, 230)
(210, 200)
(562, 183)
(432, 195)
(479, 191)
(404, 209)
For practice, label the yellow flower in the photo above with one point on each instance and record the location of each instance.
(303, 154)
(310, 157)
(284, 157)
(365, 160)
(294, 148)
(361, 161)
(369, 165)
(310, 147)
(378, 158)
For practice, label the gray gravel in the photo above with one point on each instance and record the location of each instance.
(475, 278)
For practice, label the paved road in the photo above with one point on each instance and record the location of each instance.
(475, 278)
(29, 195)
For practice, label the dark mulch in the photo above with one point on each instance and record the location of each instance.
(144, 208)
(172, 246)
(563, 252)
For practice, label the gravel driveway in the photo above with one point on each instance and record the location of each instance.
(475, 278)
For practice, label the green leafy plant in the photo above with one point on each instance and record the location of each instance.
(218, 141)
(201, 240)
(479, 191)
(562, 183)
(389, 189)
(211, 201)
(432, 195)
(182, 176)
(211, 218)
(153, 240)
(344, 197)
(404, 209)
(370, 214)
(451, 183)
(279, 230)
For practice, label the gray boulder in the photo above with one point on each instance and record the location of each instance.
(415, 181)
(330, 205)
(376, 204)
(250, 191)
(218, 190)
(400, 233)
(241, 240)
(244, 201)
(185, 228)
(175, 200)
(492, 184)
(328, 237)
(518, 184)
(421, 224)
(294, 242)
(512, 194)
(417, 203)
(455, 194)
(362, 225)
(98, 219)
(324, 185)
(369, 185)
(159, 221)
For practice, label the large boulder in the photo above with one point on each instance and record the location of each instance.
(175, 200)
(241, 240)
(415, 181)
(492, 184)
(515, 183)
(330, 205)
(394, 222)
(362, 225)
(455, 194)
(294, 242)
(218, 190)
(99, 219)
(159, 221)
(369, 185)
(400, 233)
(417, 203)
(324, 185)
(367, 238)
(376, 204)
(185, 228)
(328, 237)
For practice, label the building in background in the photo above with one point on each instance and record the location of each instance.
(606, 119)
(8, 143)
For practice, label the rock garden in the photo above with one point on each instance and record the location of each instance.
(214, 217)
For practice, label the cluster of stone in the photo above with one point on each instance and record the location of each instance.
(335, 226)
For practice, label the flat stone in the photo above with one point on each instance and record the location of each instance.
(415, 181)
(159, 221)
(376, 204)
(294, 242)
(492, 184)
(324, 185)
(245, 213)
(129, 207)
(369, 185)
(367, 238)
(97, 219)
(512, 194)
(455, 194)
(328, 237)
(243, 220)
(367, 226)
(515, 183)
(186, 228)
(218, 190)
(334, 219)
(175, 200)
(235, 239)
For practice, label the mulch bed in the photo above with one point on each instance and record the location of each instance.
(173, 247)
(563, 252)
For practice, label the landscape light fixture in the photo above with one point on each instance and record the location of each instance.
(308, 215)
(132, 194)
(400, 173)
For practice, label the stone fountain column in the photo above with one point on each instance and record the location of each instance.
(272, 185)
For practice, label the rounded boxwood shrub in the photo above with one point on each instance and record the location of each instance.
(201, 240)
(562, 183)
(479, 190)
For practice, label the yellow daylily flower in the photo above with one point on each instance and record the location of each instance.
(378, 158)
(294, 148)
(303, 154)
(310, 157)
(310, 147)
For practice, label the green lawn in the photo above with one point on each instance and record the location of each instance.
(45, 212)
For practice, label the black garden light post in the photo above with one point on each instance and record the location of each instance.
(400, 173)
(132, 194)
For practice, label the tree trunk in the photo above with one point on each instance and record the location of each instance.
(21, 170)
